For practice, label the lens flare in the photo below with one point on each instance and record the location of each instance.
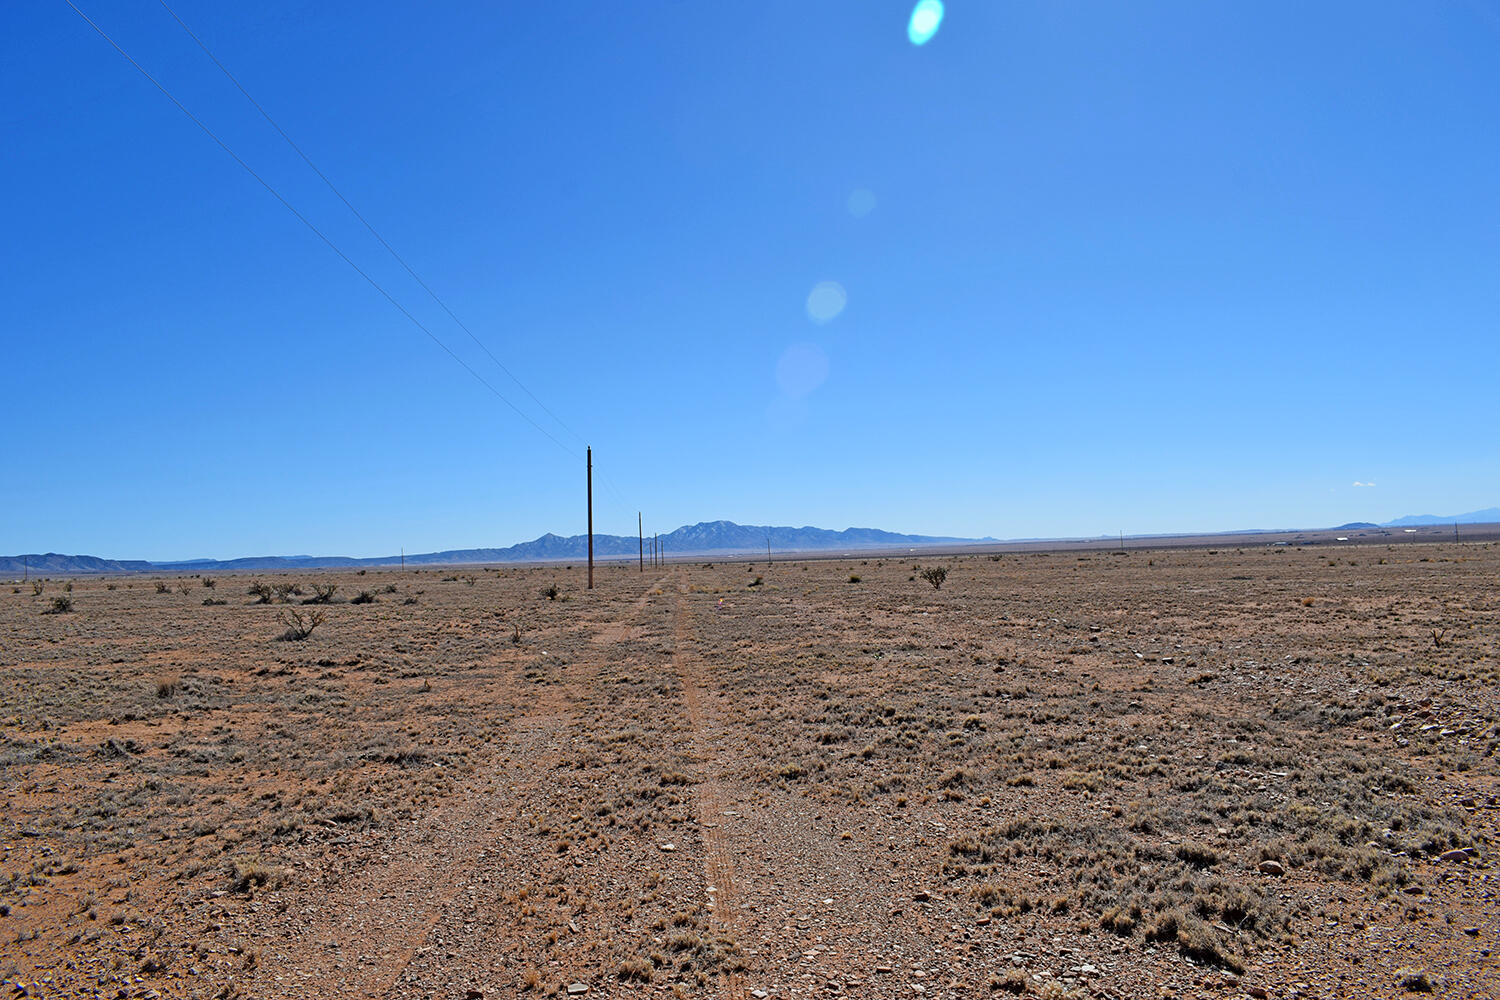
(861, 202)
(826, 301)
(801, 369)
(926, 18)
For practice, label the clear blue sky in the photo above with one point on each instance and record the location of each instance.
(1104, 266)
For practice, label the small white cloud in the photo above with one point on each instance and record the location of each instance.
(1363, 484)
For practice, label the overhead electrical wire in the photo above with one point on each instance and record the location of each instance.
(320, 234)
(366, 222)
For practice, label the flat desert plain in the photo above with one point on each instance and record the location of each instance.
(1256, 771)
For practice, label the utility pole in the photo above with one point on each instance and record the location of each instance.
(589, 452)
(403, 558)
(1455, 531)
(25, 568)
(640, 532)
(1122, 541)
(768, 551)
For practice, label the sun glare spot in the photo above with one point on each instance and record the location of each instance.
(926, 18)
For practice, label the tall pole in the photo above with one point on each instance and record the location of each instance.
(640, 532)
(590, 459)
(403, 558)
(768, 550)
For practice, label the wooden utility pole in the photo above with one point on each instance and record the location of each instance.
(768, 551)
(640, 532)
(589, 452)
(403, 558)
(1455, 531)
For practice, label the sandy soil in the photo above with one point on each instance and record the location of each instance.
(1191, 773)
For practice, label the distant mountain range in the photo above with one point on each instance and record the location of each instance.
(1490, 515)
(704, 538)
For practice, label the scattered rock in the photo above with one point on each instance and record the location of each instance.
(1271, 868)
(577, 989)
(668, 848)
(921, 895)
(1461, 854)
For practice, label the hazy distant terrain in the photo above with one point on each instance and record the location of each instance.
(721, 538)
(704, 538)
(1490, 515)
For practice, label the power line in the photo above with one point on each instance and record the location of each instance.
(373, 232)
(315, 230)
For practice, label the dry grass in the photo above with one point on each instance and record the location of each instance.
(1046, 764)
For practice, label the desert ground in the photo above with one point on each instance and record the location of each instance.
(1216, 772)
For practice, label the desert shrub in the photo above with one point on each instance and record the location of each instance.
(1198, 855)
(284, 591)
(853, 577)
(298, 625)
(363, 597)
(37, 586)
(1194, 938)
(260, 592)
(1011, 981)
(68, 587)
(61, 605)
(167, 687)
(638, 969)
(162, 587)
(1414, 980)
(210, 582)
(322, 593)
(935, 576)
(550, 592)
(247, 874)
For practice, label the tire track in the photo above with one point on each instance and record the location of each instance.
(718, 856)
(383, 919)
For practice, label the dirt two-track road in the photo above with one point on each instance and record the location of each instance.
(1261, 771)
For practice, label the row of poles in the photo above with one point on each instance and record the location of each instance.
(658, 551)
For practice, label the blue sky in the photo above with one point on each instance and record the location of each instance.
(1101, 267)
